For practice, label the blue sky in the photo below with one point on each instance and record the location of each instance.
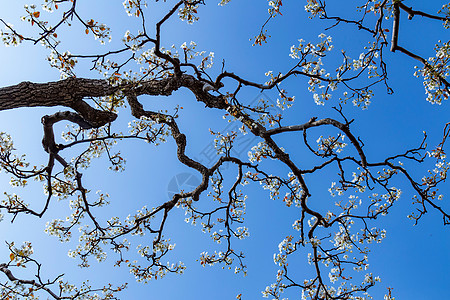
(414, 260)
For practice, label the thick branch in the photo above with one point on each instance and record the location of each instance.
(68, 93)
(395, 27)
(412, 13)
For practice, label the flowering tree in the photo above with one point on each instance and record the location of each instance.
(336, 240)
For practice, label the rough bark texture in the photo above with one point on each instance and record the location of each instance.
(68, 93)
(64, 92)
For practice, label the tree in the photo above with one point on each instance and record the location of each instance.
(296, 157)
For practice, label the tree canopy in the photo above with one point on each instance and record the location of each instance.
(154, 114)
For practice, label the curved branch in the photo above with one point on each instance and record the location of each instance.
(315, 123)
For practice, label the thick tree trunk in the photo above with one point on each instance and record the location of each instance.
(63, 93)
(68, 93)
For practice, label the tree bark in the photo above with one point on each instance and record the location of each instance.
(68, 93)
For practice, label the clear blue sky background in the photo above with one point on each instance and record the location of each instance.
(413, 260)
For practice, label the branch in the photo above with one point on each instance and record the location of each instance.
(412, 13)
(11, 277)
(315, 123)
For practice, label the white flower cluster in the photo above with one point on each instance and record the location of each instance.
(446, 10)
(20, 255)
(211, 259)
(331, 144)
(151, 65)
(260, 151)
(285, 247)
(223, 143)
(188, 13)
(132, 7)
(310, 56)
(190, 53)
(50, 5)
(277, 288)
(295, 193)
(434, 72)
(64, 62)
(314, 8)
(149, 130)
(9, 38)
(274, 9)
(156, 270)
